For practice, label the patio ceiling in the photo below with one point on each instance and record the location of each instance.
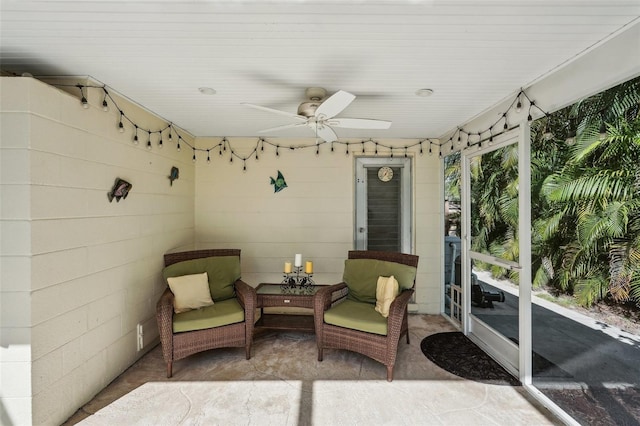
(158, 53)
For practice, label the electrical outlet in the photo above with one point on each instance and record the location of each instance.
(140, 338)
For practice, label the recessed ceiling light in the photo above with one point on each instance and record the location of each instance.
(207, 90)
(424, 92)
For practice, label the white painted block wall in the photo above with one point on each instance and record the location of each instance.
(313, 216)
(78, 273)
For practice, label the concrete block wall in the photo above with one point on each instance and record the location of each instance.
(314, 215)
(78, 272)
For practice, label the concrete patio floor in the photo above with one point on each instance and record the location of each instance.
(284, 384)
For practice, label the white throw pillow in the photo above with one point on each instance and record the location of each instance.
(387, 289)
(190, 292)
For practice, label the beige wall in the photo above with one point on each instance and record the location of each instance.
(78, 273)
(314, 215)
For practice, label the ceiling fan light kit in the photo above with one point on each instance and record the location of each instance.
(319, 112)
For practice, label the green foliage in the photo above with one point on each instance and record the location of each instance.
(585, 199)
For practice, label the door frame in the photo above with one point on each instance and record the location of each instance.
(515, 358)
(406, 199)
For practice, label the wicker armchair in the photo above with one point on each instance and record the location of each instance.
(176, 346)
(382, 348)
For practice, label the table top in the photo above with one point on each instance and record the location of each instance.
(268, 289)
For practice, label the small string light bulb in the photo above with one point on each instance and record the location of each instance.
(208, 158)
(135, 136)
(178, 147)
(105, 105)
(83, 100)
(121, 124)
(529, 116)
(194, 155)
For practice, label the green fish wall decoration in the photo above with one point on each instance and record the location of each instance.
(278, 183)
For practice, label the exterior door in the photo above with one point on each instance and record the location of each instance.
(383, 204)
(496, 265)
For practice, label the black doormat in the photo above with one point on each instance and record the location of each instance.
(454, 352)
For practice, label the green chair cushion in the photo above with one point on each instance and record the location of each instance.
(357, 316)
(223, 271)
(221, 313)
(361, 276)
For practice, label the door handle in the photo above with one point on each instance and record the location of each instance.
(361, 230)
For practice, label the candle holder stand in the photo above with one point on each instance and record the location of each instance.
(297, 279)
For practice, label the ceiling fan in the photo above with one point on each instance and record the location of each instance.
(319, 114)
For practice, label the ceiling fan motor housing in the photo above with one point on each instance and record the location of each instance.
(308, 109)
(315, 96)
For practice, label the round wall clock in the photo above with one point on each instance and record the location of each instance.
(385, 173)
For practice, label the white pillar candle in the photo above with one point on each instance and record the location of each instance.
(308, 267)
(298, 261)
(287, 267)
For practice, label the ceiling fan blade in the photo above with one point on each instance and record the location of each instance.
(286, 126)
(324, 132)
(359, 123)
(334, 104)
(275, 111)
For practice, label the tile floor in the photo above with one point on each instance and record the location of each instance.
(284, 384)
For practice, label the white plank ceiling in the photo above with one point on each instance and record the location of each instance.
(472, 54)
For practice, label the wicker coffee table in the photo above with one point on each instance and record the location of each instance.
(274, 296)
